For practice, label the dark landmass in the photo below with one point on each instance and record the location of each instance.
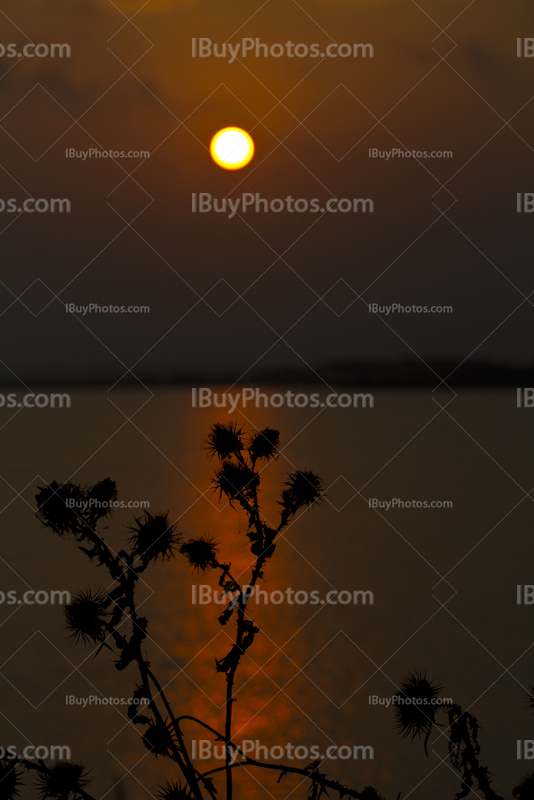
(401, 374)
(411, 374)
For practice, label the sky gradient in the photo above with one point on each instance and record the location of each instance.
(271, 289)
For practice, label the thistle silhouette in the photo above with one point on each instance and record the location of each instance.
(85, 616)
(173, 791)
(525, 790)
(415, 714)
(10, 780)
(109, 619)
(62, 781)
(417, 693)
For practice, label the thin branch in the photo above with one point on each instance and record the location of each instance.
(282, 768)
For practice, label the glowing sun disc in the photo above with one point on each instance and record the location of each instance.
(232, 148)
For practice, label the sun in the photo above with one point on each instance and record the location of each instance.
(232, 148)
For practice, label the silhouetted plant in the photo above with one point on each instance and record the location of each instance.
(224, 441)
(10, 780)
(62, 781)
(173, 791)
(371, 794)
(159, 738)
(263, 444)
(85, 616)
(411, 719)
(525, 790)
(416, 717)
(201, 553)
(54, 509)
(153, 538)
(110, 619)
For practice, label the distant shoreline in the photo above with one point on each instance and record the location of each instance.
(398, 375)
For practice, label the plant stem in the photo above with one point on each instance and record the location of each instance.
(282, 768)
(190, 775)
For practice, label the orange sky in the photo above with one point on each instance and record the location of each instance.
(313, 124)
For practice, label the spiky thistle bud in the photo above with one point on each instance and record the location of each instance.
(415, 709)
(62, 781)
(10, 780)
(100, 496)
(303, 488)
(86, 616)
(201, 553)
(525, 790)
(158, 738)
(173, 791)
(234, 480)
(224, 440)
(154, 538)
(371, 794)
(59, 507)
(264, 444)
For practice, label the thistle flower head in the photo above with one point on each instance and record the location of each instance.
(153, 537)
(159, 739)
(62, 781)
(525, 790)
(303, 488)
(234, 479)
(264, 444)
(100, 496)
(371, 794)
(85, 616)
(58, 506)
(173, 791)
(9, 780)
(201, 553)
(224, 440)
(415, 709)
